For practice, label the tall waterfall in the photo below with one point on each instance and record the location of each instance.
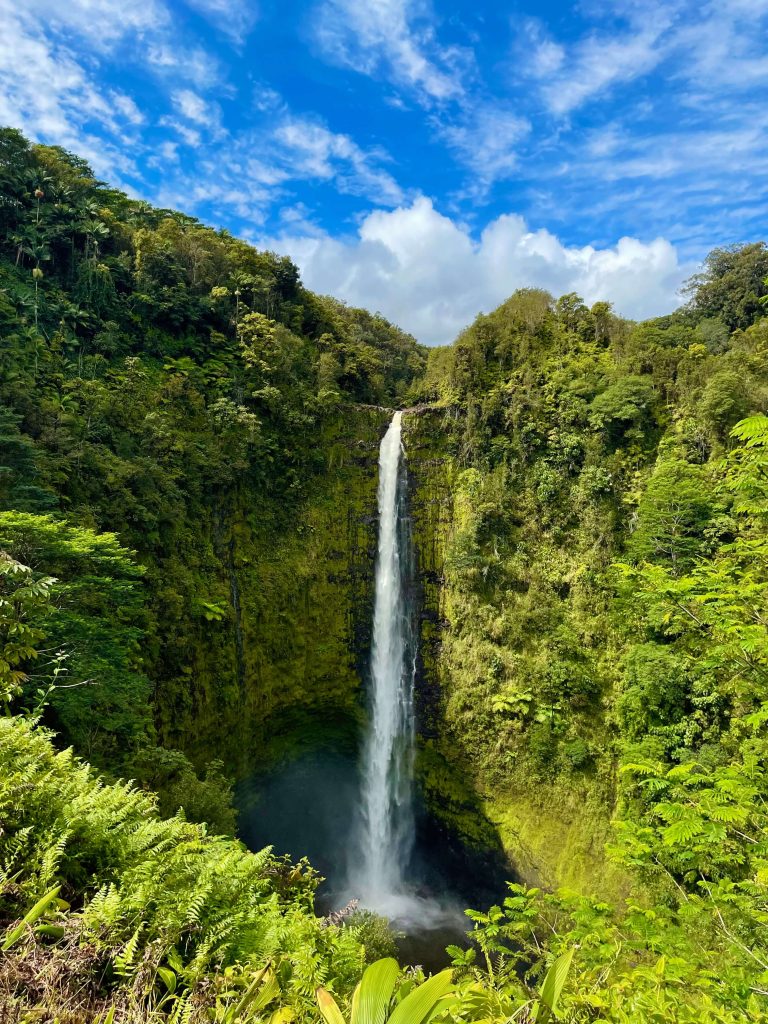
(386, 826)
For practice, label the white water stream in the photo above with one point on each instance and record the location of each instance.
(387, 822)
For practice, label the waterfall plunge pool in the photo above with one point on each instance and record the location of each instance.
(306, 807)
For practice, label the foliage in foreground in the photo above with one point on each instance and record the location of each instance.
(154, 917)
(113, 913)
(162, 921)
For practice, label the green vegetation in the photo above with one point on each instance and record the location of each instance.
(153, 917)
(376, 992)
(188, 443)
(592, 496)
(171, 385)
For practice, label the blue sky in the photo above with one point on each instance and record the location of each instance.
(423, 159)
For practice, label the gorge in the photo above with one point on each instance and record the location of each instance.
(364, 823)
(217, 579)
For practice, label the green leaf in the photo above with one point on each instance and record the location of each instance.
(374, 993)
(681, 831)
(29, 918)
(419, 1004)
(328, 1007)
(169, 978)
(553, 986)
(252, 993)
(269, 990)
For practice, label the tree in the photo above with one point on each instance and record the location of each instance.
(731, 285)
(101, 700)
(624, 404)
(24, 601)
(19, 486)
(571, 310)
(673, 513)
(726, 400)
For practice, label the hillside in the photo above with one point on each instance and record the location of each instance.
(188, 529)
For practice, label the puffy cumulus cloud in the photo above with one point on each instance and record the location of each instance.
(425, 272)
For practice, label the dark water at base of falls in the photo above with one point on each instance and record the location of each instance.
(306, 807)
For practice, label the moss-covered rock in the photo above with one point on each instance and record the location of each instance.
(291, 596)
(553, 827)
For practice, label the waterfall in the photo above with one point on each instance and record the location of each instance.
(386, 813)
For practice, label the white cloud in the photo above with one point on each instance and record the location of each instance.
(165, 157)
(262, 167)
(716, 46)
(682, 151)
(426, 273)
(725, 48)
(540, 55)
(486, 140)
(49, 95)
(102, 22)
(197, 119)
(190, 136)
(315, 152)
(666, 154)
(127, 107)
(600, 62)
(266, 99)
(184, 63)
(234, 18)
(383, 37)
(194, 108)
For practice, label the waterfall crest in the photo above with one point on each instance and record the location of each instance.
(386, 819)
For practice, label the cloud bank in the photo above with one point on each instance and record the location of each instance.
(426, 273)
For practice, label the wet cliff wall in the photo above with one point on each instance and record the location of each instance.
(284, 650)
(551, 824)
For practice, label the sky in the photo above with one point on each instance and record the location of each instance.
(420, 159)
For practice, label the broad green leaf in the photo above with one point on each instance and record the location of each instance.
(168, 978)
(553, 986)
(374, 993)
(269, 990)
(328, 1007)
(282, 1016)
(419, 1004)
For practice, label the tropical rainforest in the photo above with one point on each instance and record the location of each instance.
(188, 453)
